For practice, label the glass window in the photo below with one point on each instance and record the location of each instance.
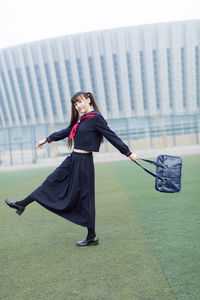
(105, 82)
(41, 90)
(183, 75)
(197, 75)
(92, 74)
(7, 95)
(80, 74)
(50, 88)
(155, 68)
(3, 108)
(23, 92)
(60, 87)
(14, 94)
(169, 70)
(130, 80)
(69, 77)
(117, 80)
(30, 84)
(144, 91)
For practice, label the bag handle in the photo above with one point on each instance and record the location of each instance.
(148, 171)
(152, 162)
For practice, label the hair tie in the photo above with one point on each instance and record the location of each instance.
(88, 94)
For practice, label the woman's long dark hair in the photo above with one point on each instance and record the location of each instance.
(74, 112)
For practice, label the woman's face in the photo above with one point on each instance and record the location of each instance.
(82, 105)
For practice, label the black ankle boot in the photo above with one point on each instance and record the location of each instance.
(13, 204)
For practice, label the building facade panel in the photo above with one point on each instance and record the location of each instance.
(147, 70)
(163, 96)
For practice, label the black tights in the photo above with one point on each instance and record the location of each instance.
(91, 231)
(26, 201)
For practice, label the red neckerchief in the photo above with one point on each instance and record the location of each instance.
(82, 118)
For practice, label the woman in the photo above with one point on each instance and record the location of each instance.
(69, 190)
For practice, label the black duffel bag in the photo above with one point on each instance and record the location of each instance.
(168, 173)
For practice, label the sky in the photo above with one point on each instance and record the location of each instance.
(23, 21)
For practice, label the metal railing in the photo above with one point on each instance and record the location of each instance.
(22, 150)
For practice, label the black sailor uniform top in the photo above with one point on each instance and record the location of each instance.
(89, 135)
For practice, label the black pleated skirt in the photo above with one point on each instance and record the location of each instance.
(69, 190)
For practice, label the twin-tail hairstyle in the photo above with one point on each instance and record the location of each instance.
(74, 113)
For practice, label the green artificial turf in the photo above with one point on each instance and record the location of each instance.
(148, 249)
(171, 223)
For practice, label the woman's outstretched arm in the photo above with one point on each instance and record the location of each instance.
(104, 129)
(56, 136)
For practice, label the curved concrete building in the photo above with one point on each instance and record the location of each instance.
(135, 73)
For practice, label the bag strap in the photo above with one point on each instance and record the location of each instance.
(152, 162)
(148, 171)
